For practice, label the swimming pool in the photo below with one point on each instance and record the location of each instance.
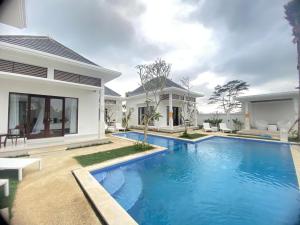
(214, 181)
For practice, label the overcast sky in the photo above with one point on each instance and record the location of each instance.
(211, 41)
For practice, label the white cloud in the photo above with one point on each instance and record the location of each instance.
(209, 80)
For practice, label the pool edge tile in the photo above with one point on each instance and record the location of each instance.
(295, 152)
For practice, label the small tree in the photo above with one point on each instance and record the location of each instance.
(153, 80)
(187, 106)
(292, 12)
(225, 96)
(126, 116)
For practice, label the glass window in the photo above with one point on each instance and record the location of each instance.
(141, 114)
(18, 105)
(71, 120)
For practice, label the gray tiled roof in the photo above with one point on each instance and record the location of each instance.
(108, 91)
(44, 44)
(140, 90)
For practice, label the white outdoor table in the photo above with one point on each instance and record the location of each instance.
(18, 164)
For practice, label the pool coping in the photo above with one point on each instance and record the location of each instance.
(105, 205)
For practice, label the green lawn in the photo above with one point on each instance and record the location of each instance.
(192, 136)
(252, 136)
(86, 160)
(13, 183)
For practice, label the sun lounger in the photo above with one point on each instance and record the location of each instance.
(224, 128)
(119, 127)
(206, 127)
(18, 164)
(5, 183)
(109, 128)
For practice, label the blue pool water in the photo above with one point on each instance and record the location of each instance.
(212, 182)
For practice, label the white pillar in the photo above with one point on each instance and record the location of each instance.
(101, 128)
(247, 116)
(50, 73)
(170, 111)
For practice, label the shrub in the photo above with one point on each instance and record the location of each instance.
(214, 121)
(237, 124)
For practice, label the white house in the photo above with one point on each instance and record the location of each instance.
(269, 113)
(113, 107)
(170, 107)
(50, 90)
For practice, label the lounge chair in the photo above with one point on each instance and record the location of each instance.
(18, 164)
(206, 127)
(261, 124)
(119, 127)
(5, 183)
(224, 128)
(109, 128)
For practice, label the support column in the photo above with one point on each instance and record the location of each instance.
(247, 116)
(170, 111)
(101, 127)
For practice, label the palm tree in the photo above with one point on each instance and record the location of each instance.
(292, 12)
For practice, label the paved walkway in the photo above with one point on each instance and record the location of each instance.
(52, 196)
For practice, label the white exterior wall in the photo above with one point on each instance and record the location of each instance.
(87, 102)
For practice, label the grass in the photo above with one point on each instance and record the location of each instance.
(5, 202)
(294, 139)
(192, 136)
(252, 136)
(90, 159)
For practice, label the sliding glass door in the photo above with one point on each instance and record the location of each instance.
(55, 111)
(37, 117)
(43, 116)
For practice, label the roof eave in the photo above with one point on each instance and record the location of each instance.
(169, 89)
(111, 73)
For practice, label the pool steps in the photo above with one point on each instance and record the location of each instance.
(126, 187)
(113, 181)
(130, 192)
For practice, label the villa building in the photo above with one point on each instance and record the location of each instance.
(113, 107)
(50, 90)
(170, 108)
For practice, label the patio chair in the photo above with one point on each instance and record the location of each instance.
(18, 132)
(224, 128)
(206, 127)
(119, 127)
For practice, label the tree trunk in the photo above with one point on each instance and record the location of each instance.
(145, 132)
(298, 67)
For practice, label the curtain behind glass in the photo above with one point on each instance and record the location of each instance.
(71, 106)
(17, 110)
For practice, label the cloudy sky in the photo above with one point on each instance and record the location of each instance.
(211, 41)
